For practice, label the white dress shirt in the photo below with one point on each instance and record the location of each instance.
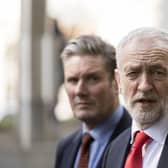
(152, 150)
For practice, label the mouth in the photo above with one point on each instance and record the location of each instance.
(145, 101)
(83, 104)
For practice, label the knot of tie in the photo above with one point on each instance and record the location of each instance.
(86, 139)
(140, 139)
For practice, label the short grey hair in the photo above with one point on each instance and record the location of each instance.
(159, 37)
(91, 45)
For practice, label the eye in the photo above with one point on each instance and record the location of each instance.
(92, 78)
(159, 74)
(132, 74)
(72, 80)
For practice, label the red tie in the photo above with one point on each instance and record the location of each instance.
(134, 159)
(84, 155)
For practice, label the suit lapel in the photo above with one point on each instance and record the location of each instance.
(124, 123)
(71, 152)
(117, 151)
(123, 149)
(163, 162)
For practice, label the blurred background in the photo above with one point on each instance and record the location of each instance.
(34, 109)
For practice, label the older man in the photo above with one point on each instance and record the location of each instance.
(142, 75)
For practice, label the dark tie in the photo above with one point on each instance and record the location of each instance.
(84, 155)
(134, 159)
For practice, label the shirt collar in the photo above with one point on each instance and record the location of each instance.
(158, 132)
(101, 132)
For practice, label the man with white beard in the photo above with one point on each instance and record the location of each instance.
(142, 77)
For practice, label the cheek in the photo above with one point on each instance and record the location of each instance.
(162, 90)
(104, 95)
(69, 91)
(98, 93)
(127, 89)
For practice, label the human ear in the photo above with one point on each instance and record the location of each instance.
(117, 79)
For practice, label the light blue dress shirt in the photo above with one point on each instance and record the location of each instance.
(101, 135)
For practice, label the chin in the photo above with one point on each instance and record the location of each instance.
(82, 116)
(147, 118)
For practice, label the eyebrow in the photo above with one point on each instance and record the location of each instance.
(129, 66)
(152, 65)
(158, 66)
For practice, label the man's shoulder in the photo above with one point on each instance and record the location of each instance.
(126, 118)
(117, 150)
(124, 123)
(69, 139)
(123, 136)
(121, 140)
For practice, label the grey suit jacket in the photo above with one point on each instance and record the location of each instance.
(67, 149)
(118, 150)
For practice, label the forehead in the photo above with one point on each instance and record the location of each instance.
(144, 52)
(84, 64)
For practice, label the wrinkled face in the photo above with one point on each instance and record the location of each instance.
(89, 88)
(143, 80)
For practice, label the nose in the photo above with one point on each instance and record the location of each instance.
(145, 83)
(80, 88)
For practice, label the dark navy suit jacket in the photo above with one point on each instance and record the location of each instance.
(118, 150)
(67, 149)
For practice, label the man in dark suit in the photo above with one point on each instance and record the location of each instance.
(89, 64)
(142, 77)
